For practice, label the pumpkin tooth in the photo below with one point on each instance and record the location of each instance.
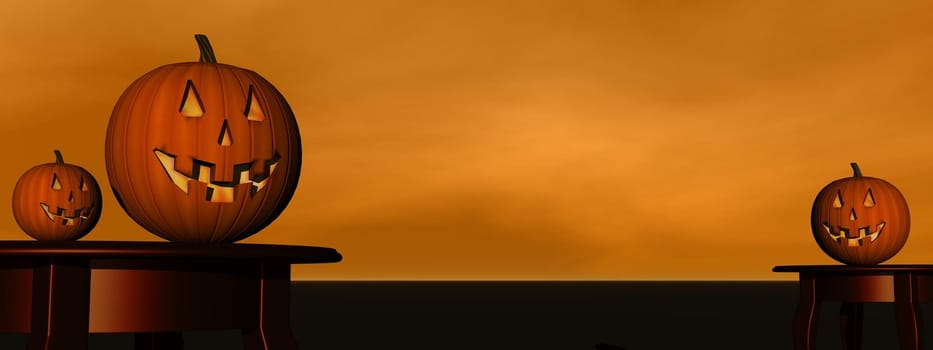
(168, 164)
(875, 235)
(219, 194)
(259, 185)
(261, 178)
(829, 230)
(86, 213)
(858, 240)
(204, 174)
(244, 176)
(45, 208)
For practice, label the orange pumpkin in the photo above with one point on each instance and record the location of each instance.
(202, 152)
(56, 201)
(860, 220)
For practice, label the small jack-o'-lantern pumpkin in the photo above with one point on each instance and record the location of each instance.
(202, 152)
(860, 220)
(56, 201)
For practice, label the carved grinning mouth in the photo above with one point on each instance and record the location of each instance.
(844, 233)
(217, 191)
(79, 213)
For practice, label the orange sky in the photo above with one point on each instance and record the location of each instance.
(538, 139)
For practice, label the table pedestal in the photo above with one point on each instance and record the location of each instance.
(59, 293)
(904, 285)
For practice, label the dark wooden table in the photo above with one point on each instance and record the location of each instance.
(58, 292)
(904, 285)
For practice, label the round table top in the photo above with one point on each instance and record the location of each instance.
(130, 249)
(852, 268)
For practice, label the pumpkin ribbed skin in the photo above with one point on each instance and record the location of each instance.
(56, 201)
(189, 178)
(863, 204)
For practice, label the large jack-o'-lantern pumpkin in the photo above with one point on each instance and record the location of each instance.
(202, 152)
(56, 201)
(860, 220)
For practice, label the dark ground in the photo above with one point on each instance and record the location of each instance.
(542, 315)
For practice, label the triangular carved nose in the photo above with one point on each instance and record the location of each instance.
(224, 139)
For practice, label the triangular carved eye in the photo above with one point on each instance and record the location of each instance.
(83, 185)
(55, 184)
(837, 202)
(869, 199)
(191, 102)
(253, 110)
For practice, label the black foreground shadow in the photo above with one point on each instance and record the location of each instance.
(543, 316)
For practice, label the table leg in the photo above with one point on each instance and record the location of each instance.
(850, 317)
(273, 331)
(909, 323)
(61, 292)
(807, 317)
(159, 341)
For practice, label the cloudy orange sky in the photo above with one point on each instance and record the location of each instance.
(545, 139)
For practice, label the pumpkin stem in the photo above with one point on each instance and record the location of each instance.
(856, 170)
(207, 52)
(58, 157)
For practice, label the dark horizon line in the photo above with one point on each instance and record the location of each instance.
(534, 281)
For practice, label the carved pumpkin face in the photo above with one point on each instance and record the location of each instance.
(56, 201)
(860, 220)
(203, 152)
